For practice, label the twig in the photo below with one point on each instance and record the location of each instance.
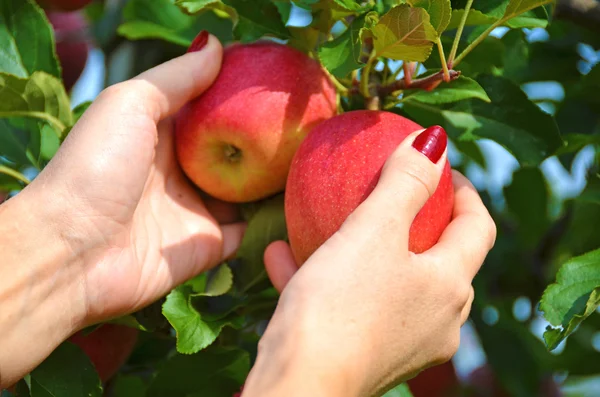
(425, 83)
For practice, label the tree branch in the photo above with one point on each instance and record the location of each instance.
(426, 83)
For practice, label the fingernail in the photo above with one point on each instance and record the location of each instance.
(199, 42)
(432, 143)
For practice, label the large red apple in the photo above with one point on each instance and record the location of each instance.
(108, 347)
(336, 168)
(72, 46)
(236, 141)
(438, 381)
(64, 5)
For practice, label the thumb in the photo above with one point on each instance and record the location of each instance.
(408, 179)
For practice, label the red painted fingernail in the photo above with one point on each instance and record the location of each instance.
(199, 42)
(432, 143)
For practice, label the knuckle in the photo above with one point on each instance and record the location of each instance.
(420, 176)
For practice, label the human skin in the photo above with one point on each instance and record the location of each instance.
(364, 313)
(121, 226)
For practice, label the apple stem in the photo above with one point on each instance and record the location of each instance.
(232, 154)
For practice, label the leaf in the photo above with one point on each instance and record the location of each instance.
(573, 298)
(475, 18)
(354, 5)
(40, 96)
(66, 372)
(457, 90)
(576, 142)
(266, 225)
(213, 283)
(26, 40)
(196, 6)
(128, 386)
(511, 119)
(402, 390)
(404, 33)
(341, 55)
(527, 197)
(439, 12)
(161, 19)
(194, 332)
(257, 18)
(216, 371)
(518, 7)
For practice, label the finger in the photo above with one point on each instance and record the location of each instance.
(470, 235)
(280, 264)
(407, 181)
(222, 211)
(232, 238)
(466, 311)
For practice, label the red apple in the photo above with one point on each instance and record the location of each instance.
(108, 347)
(438, 381)
(64, 5)
(482, 382)
(72, 45)
(336, 168)
(236, 141)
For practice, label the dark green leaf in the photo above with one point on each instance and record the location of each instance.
(67, 372)
(527, 199)
(475, 18)
(212, 372)
(257, 18)
(26, 40)
(128, 386)
(40, 96)
(341, 55)
(266, 225)
(404, 33)
(510, 119)
(161, 19)
(518, 7)
(439, 12)
(457, 90)
(573, 298)
(473, 151)
(354, 5)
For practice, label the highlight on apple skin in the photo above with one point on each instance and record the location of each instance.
(72, 45)
(64, 5)
(336, 168)
(236, 140)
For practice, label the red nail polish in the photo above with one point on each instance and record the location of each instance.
(432, 143)
(199, 42)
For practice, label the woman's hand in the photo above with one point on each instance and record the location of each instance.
(111, 224)
(364, 313)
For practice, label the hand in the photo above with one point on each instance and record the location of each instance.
(364, 313)
(111, 224)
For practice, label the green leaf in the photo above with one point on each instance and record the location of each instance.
(475, 18)
(576, 142)
(196, 6)
(518, 7)
(66, 372)
(40, 96)
(573, 298)
(402, 390)
(257, 18)
(439, 12)
(341, 55)
(457, 90)
(128, 386)
(216, 371)
(26, 40)
(511, 119)
(354, 5)
(213, 283)
(266, 225)
(527, 197)
(161, 19)
(194, 331)
(404, 33)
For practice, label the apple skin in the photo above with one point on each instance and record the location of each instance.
(64, 5)
(72, 46)
(482, 382)
(438, 381)
(336, 168)
(236, 141)
(108, 347)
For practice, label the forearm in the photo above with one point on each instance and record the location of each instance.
(40, 287)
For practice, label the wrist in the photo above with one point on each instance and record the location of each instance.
(294, 359)
(42, 293)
